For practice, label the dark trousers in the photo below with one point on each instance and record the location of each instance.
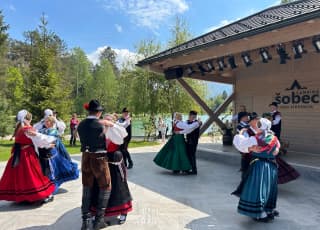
(124, 149)
(73, 137)
(191, 151)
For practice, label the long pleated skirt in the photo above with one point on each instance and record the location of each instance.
(286, 172)
(260, 190)
(25, 182)
(173, 155)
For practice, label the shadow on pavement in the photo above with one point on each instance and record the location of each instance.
(8, 206)
(71, 220)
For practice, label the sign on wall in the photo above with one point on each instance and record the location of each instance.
(297, 96)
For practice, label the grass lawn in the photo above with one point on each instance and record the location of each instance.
(5, 147)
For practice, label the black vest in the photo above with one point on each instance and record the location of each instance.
(241, 126)
(91, 135)
(276, 128)
(129, 129)
(193, 137)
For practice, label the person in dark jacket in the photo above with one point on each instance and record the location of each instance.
(125, 121)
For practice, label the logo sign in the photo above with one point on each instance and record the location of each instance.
(298, 96)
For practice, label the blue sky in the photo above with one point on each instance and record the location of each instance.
(121, 24)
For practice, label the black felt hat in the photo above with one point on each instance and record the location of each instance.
(94, 106)
(253, 116)
(274, 104)
(192, 112)
(241, 115)
(125, 110)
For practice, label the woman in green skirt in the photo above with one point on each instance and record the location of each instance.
(173, 155)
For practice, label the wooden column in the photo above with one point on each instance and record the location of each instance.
(213, 117)
(217, 112)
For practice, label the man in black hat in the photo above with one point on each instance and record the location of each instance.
(125, 121)
(276, 119)
(94, 165)
(192, 140)
(243, 119)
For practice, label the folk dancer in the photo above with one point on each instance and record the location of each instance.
(120, 202)
(286, 172)
(259, 196)
(125, 121)
(173, 155)
(23, 179)
(56, 162)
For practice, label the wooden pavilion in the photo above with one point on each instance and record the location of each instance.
(273, 55)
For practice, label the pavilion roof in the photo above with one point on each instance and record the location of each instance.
(267, 20)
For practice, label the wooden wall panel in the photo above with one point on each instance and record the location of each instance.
(257, 86)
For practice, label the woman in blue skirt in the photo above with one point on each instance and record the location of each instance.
(259, 195)
(56, 163)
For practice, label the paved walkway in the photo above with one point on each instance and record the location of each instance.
(173, 202)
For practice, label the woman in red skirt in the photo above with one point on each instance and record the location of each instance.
(23, 179)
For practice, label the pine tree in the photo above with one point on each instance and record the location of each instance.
(46, 87)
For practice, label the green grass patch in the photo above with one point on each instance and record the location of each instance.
(6, 145)
(135, 144)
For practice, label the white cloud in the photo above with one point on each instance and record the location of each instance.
(221, 24)
(227, 21)
(124, 56)
(12, 7)
(147, 13)
(118, 28)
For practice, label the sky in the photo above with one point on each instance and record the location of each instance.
(121, 24)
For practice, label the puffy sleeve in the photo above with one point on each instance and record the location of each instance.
(38, 126)
(187, 128)
(116, 134)
(242, 143)
(42, 140)
(61, 126)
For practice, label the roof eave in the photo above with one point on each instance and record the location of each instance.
(267, 28)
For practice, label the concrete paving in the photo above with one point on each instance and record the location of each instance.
(174, 202)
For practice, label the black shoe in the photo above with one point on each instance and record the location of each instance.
(263, 220)
(176, 171)
(99, 223)
(275, 213)
(130, 166)
(87, 224)
(193, 173)
(48, 199)
(122, 219)
(236, 193)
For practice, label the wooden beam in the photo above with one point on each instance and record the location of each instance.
(217, 112)
(213, 78)
(225, 104)
(206, 125)
(203, 105)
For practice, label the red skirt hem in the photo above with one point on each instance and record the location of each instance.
(117, 210)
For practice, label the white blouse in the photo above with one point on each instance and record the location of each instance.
(242, 143)
(116, 134)
(42, 141)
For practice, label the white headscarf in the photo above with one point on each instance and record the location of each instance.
(48, 113)
(265, 124)
(21, 116)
